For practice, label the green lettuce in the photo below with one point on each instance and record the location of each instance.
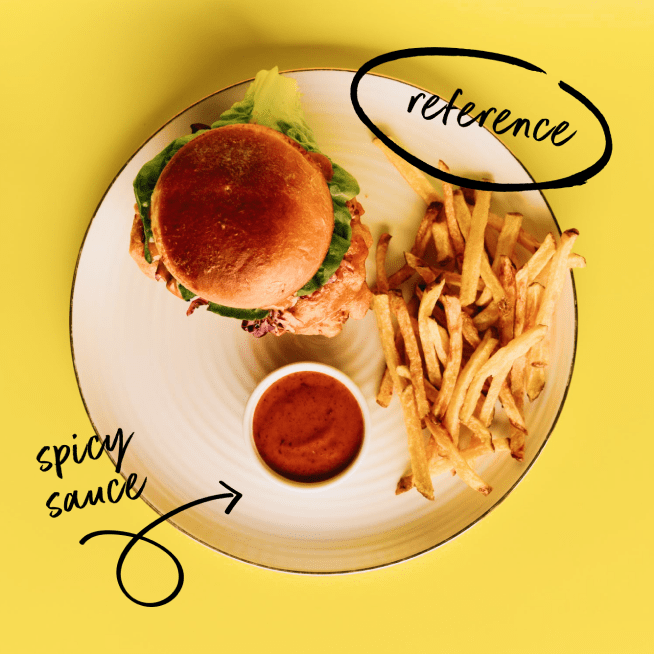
(229, 312)
(273, 101)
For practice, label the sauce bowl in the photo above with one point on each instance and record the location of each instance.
(271, 460)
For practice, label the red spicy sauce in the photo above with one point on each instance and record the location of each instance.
(308, 427)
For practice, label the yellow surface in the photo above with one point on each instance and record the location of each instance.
(564, 565)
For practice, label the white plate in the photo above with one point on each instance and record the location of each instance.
(181, 384)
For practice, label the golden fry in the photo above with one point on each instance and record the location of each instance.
(399, 308)
(539, 259)
(417, 454)
(507, 315)
(415, 178)
(450, 216)
(427, 304)
(470, 332)
(494, 289)
(447, 448)
(512, 408)
(525, 239)
(442, 242)
(455, 330)
(385, 392)
(557, 277)
(474, 249)
(423, 234)
(478, 359)
(505, 246)
(380, 259)
(381, 307)
(497, 364)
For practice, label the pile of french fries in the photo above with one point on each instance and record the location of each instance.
(474, 331)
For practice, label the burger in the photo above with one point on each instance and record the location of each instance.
(248, 218)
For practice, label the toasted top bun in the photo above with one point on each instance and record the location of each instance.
(242, 216)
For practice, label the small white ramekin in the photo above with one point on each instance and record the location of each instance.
(306, 366)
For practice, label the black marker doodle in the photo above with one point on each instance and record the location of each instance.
(575, 179)
(134, 538)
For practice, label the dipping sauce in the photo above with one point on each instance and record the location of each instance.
(308, 427)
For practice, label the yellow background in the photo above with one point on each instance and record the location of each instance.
(563, 565)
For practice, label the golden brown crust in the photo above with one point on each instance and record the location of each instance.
(242, 217)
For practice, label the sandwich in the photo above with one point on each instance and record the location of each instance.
(248, 218)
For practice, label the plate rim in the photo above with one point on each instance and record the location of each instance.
(321, 573)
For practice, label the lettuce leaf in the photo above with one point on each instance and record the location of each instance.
(273, 101)
(186, 294)
(241, 314)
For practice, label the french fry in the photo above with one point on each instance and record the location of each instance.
(508, 237)
(505, 246)
(403, 371)
(463, 216)
(512, 408)
(470, 332)
(382, 309)
(441, 341)
(556, 278)
(534, 296)
(427, 304)
(498, 382)
(441, 237)
(400, 276)
(487, 318)
(399, 308)
(431, 273)
(507, 316)
(380, 260)
(431, 391)
(414, 177)
(574, 261)
(450, 216)
(534, 375)
(453, 366)
(424, 229)
(417, 454)
(517, 374)
(539, 259)
(447, 448)
(529, 242)
(439, 464)
(419, 246)
(385, 392)
(517, 436)
(474, 249)
(478, 359)
(481, 432)
(497, 364)
(494, 289)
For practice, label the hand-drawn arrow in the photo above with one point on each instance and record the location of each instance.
(134, 538)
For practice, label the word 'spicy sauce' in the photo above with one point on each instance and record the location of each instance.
(308, 427)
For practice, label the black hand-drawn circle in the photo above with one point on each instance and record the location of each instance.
(576, 179)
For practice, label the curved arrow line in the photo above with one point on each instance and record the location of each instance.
(141, 536)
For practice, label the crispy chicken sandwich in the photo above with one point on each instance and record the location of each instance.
(248, 218)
